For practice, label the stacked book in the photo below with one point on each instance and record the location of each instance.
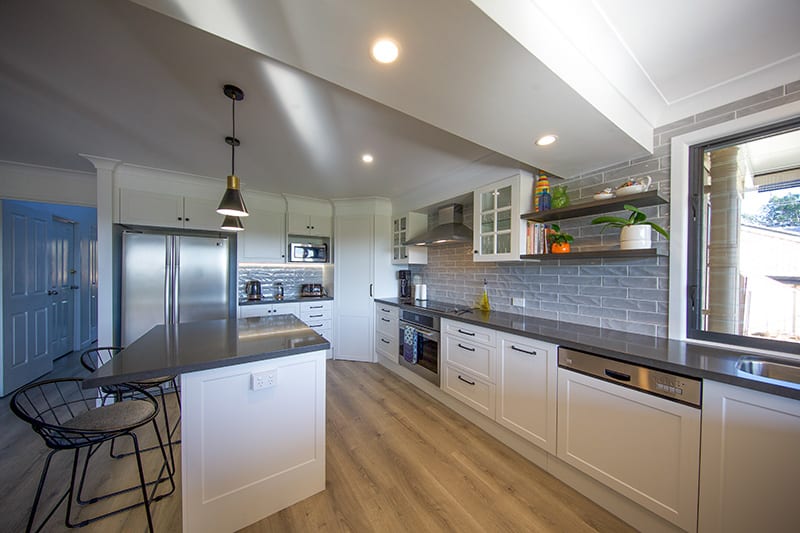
(536, 238)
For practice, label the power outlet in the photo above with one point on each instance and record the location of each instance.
(518, 302)
(264, 380)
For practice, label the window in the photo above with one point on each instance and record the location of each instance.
(743, 276)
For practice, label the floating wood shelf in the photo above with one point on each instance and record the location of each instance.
(594, 207)
(614, 253)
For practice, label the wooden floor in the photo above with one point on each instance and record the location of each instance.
(397, 460)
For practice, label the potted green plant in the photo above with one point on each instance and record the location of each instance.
(559, 241)
(636, 229)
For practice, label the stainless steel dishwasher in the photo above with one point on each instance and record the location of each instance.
(635, 429)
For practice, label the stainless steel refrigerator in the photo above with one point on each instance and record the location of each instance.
(168, 279)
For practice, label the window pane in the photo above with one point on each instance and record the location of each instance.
(504, 220)
(749, 239)
(487, 223)
(487, 201)
(504, 243)
(504, 197)
(487, 244)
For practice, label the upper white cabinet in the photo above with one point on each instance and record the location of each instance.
(308, 216)
(145, 208)
(498, 231)
(403, 228)
(749, 461)
(263, 239)
(313, 225)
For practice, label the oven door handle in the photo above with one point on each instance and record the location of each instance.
(432, 335)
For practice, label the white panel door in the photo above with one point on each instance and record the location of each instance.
(750, 461)
(26, 304)
(354, 266)
(199, 213)
(62, 287)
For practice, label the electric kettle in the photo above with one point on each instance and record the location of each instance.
(253, 289)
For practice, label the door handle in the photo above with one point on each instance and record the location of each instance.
(370, 290)
(466, 380)
(523, 351)
(52, 292)
(74, 287)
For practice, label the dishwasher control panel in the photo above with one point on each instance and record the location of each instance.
(666, 384)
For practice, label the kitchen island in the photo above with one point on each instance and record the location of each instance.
(253, 413)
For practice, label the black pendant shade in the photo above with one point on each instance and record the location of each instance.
(232, 204)
(232, 224)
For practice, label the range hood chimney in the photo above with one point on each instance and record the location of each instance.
(451, 229)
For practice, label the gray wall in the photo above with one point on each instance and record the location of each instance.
(628, 295)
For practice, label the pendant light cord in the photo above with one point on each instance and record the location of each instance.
(233, 144)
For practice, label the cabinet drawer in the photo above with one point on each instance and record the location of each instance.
(386, 346)
(469, 389)
(248, 311)
(314, 315)
(317, 325)
(386, 325)
(470, 356)
(315, 307)
(469, 332)
(388, 311)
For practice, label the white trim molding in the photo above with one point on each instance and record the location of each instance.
(679, 202)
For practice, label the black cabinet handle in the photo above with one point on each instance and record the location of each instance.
(315, 325)
(617, 375)
(370, 290)
(466, 347)
(385, 319)
(315, 316)
(180, 218)
(385, 341)
(466, 380)
(523, 351)
(315, 307)
(384, 310)
(466, 332)
(187, 219)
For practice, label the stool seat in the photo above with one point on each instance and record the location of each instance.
(114, 417)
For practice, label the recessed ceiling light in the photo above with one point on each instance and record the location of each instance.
(367, 158)
(546, 140)
(385, 51)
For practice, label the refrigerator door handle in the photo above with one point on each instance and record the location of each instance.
(176, 276)
(167, 285)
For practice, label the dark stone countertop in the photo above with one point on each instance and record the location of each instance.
(203, 345)
(688, 359)
(270, 300)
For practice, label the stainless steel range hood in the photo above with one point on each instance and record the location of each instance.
(450, 230)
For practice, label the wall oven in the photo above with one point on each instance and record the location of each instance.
(426, 327)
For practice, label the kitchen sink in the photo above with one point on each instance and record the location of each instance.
(780, 370)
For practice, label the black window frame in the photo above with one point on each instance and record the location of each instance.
(693, 296)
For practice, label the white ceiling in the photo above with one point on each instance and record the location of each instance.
(476, 83)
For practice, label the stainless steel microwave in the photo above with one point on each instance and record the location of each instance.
(304, 252)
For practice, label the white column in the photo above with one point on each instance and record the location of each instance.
(105, 258)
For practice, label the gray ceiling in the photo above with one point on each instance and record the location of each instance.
(115, 79)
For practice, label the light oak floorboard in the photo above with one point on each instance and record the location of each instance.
(397, 461)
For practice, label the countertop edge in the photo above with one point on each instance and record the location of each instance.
(90, 381)
(754, 383)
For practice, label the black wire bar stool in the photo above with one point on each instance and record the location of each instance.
(69, 417)
(94, 358)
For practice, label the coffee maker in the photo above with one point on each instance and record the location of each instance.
(404, 280)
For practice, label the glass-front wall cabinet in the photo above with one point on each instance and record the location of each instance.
(403, 228)
(497, 218)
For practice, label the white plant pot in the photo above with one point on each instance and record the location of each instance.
(635, 237)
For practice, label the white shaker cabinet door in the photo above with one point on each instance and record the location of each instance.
(526, 389)
(750, 461)
(263, 238)
(144, 208)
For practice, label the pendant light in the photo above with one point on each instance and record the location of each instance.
(232, 203)
(232, 224)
